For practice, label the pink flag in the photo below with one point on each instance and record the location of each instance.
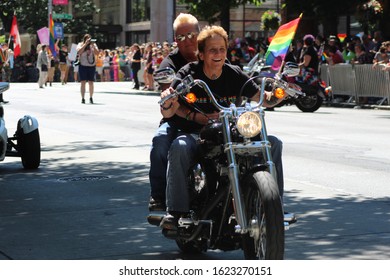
(43, 35)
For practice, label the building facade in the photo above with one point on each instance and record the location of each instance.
(124, 22)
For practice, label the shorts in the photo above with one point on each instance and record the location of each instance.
(87, 73)
(63, 67)
(150, 70)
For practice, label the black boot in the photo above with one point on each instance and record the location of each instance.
(2, 100)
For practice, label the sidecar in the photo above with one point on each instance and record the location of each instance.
(26, 141)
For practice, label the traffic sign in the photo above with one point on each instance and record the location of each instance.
(62, 16)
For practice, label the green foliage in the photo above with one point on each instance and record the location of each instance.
(270, 20)
(33, 15)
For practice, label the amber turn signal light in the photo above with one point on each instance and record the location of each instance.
(279, 93)
(191, 97)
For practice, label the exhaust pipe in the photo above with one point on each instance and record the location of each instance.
(155, 218)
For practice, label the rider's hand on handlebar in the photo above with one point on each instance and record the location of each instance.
(268, 95)
(170, 106)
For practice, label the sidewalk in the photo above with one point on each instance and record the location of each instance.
(99, 87)
(127, 88)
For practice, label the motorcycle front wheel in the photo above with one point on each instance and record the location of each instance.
(265, 239)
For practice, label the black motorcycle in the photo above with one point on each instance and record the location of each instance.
(235, 202)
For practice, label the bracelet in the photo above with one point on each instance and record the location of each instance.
(188, 115)
(166, 108)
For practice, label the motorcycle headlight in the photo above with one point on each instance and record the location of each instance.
(249, 124)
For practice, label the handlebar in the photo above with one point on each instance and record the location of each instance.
(188, 82)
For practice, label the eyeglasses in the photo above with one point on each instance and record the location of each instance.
(189, 35)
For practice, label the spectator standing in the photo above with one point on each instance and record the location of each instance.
(63, 63)
(106, 66)
(123, 64)
(335, 56)
(8, 63)
(362, 57)
(148, 77)
(247, 51)
(381, 57)
(99, 65)
(87, 50)
(51, 69)
(136, 64)
(42, 65)
(349, 52)
(234, 54)
(76, 64)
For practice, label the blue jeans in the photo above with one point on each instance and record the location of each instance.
(159, 159)
(181, 158)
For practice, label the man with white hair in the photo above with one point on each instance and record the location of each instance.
(186, 30)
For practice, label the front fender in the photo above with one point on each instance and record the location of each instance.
(28, 124)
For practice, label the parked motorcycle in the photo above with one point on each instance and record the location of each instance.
(25, 143)
(235, 202)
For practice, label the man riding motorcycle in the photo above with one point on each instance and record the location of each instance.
(184, 26)
(225, 81)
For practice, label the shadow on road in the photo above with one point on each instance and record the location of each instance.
(73, 209)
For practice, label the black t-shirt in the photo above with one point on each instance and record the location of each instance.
(63, 55)
(136, 56)
(311, 51)
(225, 89)
(173, 60)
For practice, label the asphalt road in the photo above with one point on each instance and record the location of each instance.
(88, 199)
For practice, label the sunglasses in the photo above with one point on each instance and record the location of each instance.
(189, 35)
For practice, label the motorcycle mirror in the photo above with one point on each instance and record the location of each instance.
(164, 76)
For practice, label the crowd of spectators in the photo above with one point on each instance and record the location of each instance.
(115, 64)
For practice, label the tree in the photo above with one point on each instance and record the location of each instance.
(216, 10)
(33, 15)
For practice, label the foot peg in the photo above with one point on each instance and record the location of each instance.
(289, 219)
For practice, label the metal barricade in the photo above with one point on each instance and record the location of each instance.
(358, 80)
(372, 82)
(342, 79)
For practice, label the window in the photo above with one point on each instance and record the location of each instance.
(137, 10)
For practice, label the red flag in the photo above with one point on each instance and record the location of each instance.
(15, 34)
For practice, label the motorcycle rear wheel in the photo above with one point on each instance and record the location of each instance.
(265, 240)
(309, 103)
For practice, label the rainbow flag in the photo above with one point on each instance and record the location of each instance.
(51, 39)
(280, 43)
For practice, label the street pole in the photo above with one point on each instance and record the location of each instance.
(49, 9)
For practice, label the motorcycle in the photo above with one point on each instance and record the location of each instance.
(26, 141)
(312, 97)
(235, 201)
